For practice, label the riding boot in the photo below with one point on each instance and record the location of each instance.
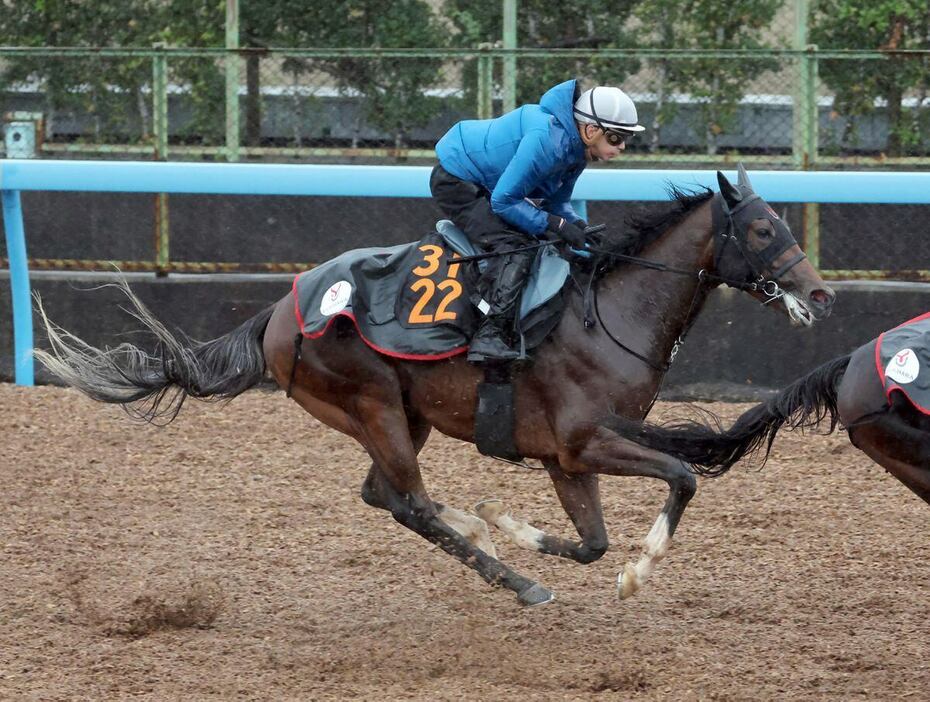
(492, 343)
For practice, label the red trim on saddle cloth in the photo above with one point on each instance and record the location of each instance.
(349, 315)
(881, 370)
(922, 410)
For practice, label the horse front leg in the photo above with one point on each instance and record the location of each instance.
(473, 528)
(580, 499)
(605, 452)
(396, 484)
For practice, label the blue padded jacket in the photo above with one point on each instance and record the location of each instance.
(532, 152)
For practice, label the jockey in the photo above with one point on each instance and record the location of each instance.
(489, 170)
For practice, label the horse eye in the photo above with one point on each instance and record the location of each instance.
(765, 233)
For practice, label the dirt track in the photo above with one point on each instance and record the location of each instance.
(229, 556)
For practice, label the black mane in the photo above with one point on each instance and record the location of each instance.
(644, 227)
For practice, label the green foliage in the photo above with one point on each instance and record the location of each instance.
(545, 24)
(876, 25)
(394, 89)
(396, 93)
(718, 84)
(109, 90)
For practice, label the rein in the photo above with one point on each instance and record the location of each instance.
(755, 286)
(727, 233)
(768, 287)
(664, 366)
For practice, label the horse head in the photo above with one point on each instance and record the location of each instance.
(754, 247)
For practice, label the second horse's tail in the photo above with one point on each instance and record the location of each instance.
(711, 451)
(153, 386)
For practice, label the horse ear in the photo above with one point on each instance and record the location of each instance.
(743, 177)
(731, 195)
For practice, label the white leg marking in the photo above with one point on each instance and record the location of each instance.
(655, 546)
(657, 540)
(473, 528)
(521, 533)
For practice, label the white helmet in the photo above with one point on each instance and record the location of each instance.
(609, 108)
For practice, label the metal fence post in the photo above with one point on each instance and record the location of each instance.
(160, 102)
(485, 83)
(232, 80)
(806, 123)
(160, 122)
(510, 61)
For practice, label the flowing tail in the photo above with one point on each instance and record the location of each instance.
(712, 451)
(153, 386)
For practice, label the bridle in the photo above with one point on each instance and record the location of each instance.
(730, 226)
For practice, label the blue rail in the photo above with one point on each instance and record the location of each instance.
(413, 181)
(378, 181)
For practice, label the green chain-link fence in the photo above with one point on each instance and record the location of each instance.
(699, 106)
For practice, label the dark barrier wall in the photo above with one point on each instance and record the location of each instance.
(737, 349)
(257, 229)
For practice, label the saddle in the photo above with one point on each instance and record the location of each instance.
(902, 357)
(414, 301)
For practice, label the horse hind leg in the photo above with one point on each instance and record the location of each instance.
(473, 528)
(580, 498)
(898, 447)
(326, 382)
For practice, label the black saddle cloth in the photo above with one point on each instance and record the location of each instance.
(412, 301)
(902, 357)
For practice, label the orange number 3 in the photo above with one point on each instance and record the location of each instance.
(431, 260)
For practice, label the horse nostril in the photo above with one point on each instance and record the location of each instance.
(823, 298)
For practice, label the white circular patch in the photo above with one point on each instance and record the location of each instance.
(903, 366)
(336, 298)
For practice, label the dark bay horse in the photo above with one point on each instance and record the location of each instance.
(650, 283)
(886, 426)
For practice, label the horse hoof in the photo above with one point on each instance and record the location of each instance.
(535, 595)
(489, 510)
(627, 582)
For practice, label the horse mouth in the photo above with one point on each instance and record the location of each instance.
(798, 312)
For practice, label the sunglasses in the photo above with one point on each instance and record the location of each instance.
(615, 138)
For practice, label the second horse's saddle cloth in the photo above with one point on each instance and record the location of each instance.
(414, 301)
(902, 356)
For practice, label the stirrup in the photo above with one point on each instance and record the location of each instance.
(504, 355)
(490, 348)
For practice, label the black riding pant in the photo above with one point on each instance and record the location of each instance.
(469, 207)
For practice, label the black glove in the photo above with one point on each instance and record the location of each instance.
(568, 231)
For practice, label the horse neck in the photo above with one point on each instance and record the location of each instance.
(656, 306)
